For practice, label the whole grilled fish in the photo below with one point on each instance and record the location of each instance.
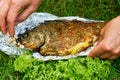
(61, 37)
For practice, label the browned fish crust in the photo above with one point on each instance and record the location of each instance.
(62, 37)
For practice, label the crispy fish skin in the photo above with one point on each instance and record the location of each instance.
(62, 37)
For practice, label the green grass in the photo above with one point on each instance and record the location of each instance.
(92, 9)
(6, 67)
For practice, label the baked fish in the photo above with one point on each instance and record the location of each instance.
(61, 37)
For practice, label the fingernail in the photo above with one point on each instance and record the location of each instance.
(12, 35)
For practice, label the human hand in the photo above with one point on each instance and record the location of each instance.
(9, 15)
(108, 46)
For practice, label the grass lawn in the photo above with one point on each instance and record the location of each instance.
(92, 9)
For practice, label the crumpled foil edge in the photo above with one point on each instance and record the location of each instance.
(8, 45)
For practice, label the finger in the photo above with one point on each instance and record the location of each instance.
(25, 14)
(3, 26)
(117, 44)
(4, 6)
(106, 55)
(12, 15)
(117, 50)
(97, 50)
(115, 54)
(113, 57)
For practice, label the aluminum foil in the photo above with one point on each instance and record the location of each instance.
(8, 45)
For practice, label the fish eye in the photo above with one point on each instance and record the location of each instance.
(25, 35)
